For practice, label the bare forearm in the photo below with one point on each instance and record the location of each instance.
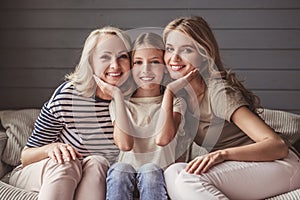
(166, 121)
(31, 155)
(123, 140)
(268, 150)
(268, 145)
(122, 125)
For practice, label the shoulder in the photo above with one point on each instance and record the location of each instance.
(224, 99)
(64, 91)
(222, 90)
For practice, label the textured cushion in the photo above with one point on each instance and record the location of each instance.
(284, 123)
(3, 139)
(13, 193)
(18, 125)
(293, 195)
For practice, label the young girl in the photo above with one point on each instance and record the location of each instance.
(247, 159)
(68, 154)
(145, 127)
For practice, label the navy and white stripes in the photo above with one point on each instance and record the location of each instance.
(80, 121)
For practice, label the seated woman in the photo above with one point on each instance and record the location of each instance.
(246, 159)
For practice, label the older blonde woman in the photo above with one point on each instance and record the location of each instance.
(70, 150)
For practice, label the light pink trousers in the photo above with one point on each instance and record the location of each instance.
(76, 179)
(235, 180)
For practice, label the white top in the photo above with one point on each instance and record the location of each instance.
(144, 113)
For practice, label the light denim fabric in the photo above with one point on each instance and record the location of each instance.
(124, 183)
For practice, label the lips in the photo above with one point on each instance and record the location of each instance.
(147, 78)
(176, 67)
(114, 74)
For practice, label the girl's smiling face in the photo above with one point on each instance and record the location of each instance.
(148, 70)
(110, 60)
(181, 55)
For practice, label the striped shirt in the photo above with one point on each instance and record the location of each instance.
(83, 122)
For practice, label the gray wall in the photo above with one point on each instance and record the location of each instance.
(41, 41)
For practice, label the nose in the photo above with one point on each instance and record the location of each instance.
(146, 67)
(114, 63)
(175, 56)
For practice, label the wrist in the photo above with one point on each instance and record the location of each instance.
(224, 154)
(117, 93)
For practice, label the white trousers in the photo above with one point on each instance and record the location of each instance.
(79, 180)
(235, 180)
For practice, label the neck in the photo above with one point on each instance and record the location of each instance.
(196, 88)
(102, 95)
(140, 92)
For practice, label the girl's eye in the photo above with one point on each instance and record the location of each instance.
(169, 49)
(155, 62)
(138, 62)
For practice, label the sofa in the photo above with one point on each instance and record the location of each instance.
(16, 127)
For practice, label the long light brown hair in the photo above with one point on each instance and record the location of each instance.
(198, 29)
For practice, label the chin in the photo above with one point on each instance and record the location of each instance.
(175, 75)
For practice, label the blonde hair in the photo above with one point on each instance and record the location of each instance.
(198, 29)
(82, 77)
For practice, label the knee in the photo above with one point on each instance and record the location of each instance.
(173, 171)
(96, 163)
(120, 173)
(70, 169)
(149, 167)
(150, 173)
(120, 167)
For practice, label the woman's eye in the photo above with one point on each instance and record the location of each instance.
(105, 57)
(123, 56)
(138, 62)
(170, 49)
(187, 50)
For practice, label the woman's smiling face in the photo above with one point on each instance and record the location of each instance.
(181, 54)
(110, 60)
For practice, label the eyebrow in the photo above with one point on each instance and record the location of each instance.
(189, 45)
(123, 51)
(186, 45)
(149, 58)
(109, 52)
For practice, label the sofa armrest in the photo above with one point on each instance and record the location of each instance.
(3, 140)
(297, 145)
(10, 192)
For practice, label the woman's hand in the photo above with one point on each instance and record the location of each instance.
(180, 83)
(202, 164)
(60, 152)
(106, 88)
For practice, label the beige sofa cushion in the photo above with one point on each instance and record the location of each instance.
(18, 125)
